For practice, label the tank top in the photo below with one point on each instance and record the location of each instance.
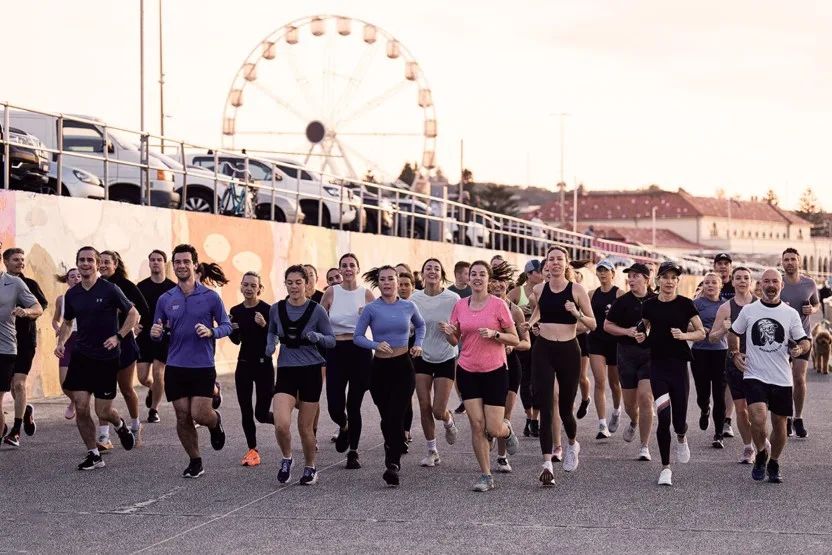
(601, 303)
(735, 313)
(551, 305)
(523, 301)
(343, 313)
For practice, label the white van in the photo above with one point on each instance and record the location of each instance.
(86, 136)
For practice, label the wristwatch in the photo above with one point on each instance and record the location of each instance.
(732, 354)
(496, 335)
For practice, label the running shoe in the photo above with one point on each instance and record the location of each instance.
(217, 434)
(352, 461)
(615, 418)
(310, 476)
(69, 413)
(717, 443)
(789, 431)
(644, 454)
(630, 432)
(747, 455)
(153, 416)
(460, 409)
(704, 415)
(29, 424)
(582, 408)
(334, 436)
(104, 444)
(799, 428)
(285, 471)
(557, 455)
(603, 432)
(666, 477)
(408, 437)
(451, 432)
(12, 438)
(527, 430)
(570, 461)
(251, 458)
(535, 428)
(391, 475)
(148, 400)
(773, 471)
(194, 470)
(216, 399)
(343, 440)
(682, 451)
(512, 443)
(759, 470)
(485, 483)
(431, 460)
(547, 479)
(405, 448)
(91, 462)
(727, 430)
(502, 465)
(125, 436)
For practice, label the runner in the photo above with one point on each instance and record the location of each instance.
(708, 363)
(405, 289)
(561, 305)
(312, 280)
(436, 368)
(602, 350)
(722, 266)
(770, 327)
(498, 286)
(389, 318)
(112, 268)
(726, 314)
(71, 278)
(347, 364)
(211, 275)
(152, 354)
(333, 277)
(460, 286)
(27, 339)
(187, 314)
(97, 304)
(301, 326)
(572, 274)
(523, 296)
(255, 371)
(801, 293)
(624, 321)
(484, 325)
(665, 316)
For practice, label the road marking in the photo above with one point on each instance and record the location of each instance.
(130, 509)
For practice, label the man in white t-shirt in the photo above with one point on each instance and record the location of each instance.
(773, 332)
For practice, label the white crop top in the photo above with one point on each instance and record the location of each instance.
(343, 313)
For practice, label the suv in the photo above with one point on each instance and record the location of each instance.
(28, 163)
(87, 136)
(299, 183)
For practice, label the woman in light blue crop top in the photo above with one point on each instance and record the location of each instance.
(391, 374)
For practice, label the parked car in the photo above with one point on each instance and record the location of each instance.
(87, 136)
(413, 213)
(75, 182)
(376, 212)
(28, 162)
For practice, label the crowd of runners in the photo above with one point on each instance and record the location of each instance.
(485, 332)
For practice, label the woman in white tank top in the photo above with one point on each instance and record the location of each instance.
(71, 278)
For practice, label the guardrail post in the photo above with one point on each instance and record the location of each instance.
(246, 174)
(320, 196)
(184, 199)
(6, 153)
(107, 163)
(216, 181)
(60, 157)
(274, 193)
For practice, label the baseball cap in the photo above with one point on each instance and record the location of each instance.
(605, 264)
(722, 256)
(532, 266)
(669, 266)
(638, 268)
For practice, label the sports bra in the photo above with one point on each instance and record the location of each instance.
(523, 301)
(735, 313)
(551, 306)
(343, 312)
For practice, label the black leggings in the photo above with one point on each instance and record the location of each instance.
(248, 377)
(671, 386)
(347, 364)
(526, 391)
(392, 382)
(708, 369)
(550, 360)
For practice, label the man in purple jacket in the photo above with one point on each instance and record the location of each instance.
(188, 314)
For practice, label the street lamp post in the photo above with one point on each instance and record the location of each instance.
(141, 65)
(653, 213)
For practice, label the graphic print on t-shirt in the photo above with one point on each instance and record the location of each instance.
(767, 334)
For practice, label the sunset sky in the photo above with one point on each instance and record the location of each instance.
(701, 95)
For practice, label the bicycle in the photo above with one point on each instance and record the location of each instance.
(238, 198)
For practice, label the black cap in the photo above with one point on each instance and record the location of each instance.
(639, 268)
(722, 256)
(669, 266)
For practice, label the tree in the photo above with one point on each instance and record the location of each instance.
(496, 198)
(408, 174)
(809, 208)
(369, 177)
(467, 176)
(771, 198)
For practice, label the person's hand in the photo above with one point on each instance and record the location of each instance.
(157, 329)
(415, 351)
(137, 329)
(640, 337)
(806, 309)
(111, 343)
(572, 308)
(726, 324)
(796, 351)
(56, 326)
(313, 336)
(20, 312)
(509, 349)
(448, 329)
(523, 327)
(384, 347)
(741, 362)
(60, 349)
(632, 332)
(204, 331)
(487, 333)
(259, 320)
(677, 334)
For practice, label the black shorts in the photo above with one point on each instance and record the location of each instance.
(491, 387)
(733, 376)
(608, 348)
(98, 377)
(633, 365)
(129, 352)
(777, 397)
(515, 372)
(183, 382)
(6, 371)
(23, 362)
(303, 382)
(446, 369)
(150, 350)
(582, 344)
(805, 356)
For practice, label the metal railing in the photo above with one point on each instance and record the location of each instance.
(141, 164)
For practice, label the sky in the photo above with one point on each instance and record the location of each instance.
(704, 95)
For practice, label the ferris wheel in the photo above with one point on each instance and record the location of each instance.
(341, 94)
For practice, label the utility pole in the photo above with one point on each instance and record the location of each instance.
(562, 183)
(141, 65)
(161, 82)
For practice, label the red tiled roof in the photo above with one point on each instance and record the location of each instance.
(665, 238)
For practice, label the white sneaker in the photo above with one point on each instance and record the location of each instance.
(615, 418)
(682, 451)
(603, 432)
(432, 459)
(451, 433)
(503, 465)
(570, 459)
(644, 454)
(666, 477)
(748, 455)
(727, 430)
(630, 432)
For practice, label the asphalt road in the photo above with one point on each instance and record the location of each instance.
(612, 503)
